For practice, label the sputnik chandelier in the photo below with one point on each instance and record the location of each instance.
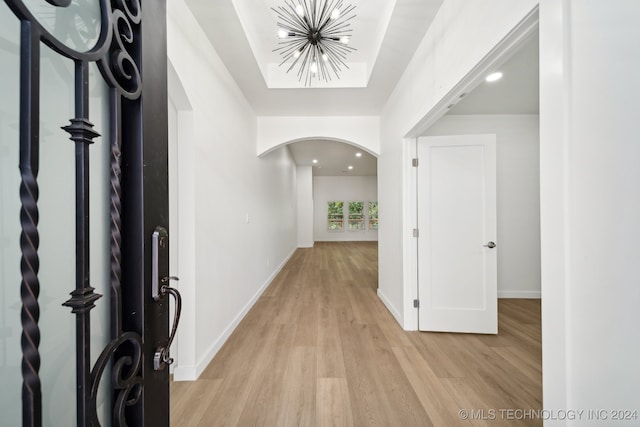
(314, 36)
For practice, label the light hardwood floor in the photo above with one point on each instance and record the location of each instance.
(320, 349)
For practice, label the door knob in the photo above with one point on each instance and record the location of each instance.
(490, 245)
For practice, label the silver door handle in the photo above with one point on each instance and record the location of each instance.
(161, 357)
(490, 245)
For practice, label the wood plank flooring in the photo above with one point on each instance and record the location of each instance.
(320, 349)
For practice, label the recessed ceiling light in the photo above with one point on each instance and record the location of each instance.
(358, 154)
(494, 77)
(315, 161)
(350, 167)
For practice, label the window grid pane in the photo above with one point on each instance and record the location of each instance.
(356, 216)
(335, 216)
(373, 215)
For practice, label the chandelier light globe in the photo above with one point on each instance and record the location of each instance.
(310, 30)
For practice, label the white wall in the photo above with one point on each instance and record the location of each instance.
(462, 34)
(590, 206)
(243, 209)
(347, 189)
(304, 184)
(518, 193)
(363, 131)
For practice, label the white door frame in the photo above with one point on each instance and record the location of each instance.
(182, 226)
(498, 56)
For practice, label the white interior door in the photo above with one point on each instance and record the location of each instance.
(457, 256)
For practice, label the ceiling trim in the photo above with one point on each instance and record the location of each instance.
(507, 47)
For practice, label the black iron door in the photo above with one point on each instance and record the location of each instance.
(128, 46)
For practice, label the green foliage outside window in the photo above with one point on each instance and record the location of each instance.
(335, 216)
(356, 215)
(373, 215)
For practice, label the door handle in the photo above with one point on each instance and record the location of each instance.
(490, 245)
(161, 357)
(160, 279)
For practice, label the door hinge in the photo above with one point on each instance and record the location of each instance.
(416, 232)
(414, 162)
(416, 303)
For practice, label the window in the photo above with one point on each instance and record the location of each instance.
(356, 216)
(335, 216)
(373, 215)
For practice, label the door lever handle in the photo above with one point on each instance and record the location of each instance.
(161, 357)
(490, 245)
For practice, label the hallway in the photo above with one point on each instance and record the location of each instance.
(319, 348)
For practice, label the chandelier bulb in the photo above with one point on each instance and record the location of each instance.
(335, 14)
(325, 57)
(344, 40)
(296, 54)
(282, 33)
(300, 10)
(314, 68)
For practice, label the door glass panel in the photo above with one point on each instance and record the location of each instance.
(57, 240)
(57, 232)
(10, 327)
(77, 25)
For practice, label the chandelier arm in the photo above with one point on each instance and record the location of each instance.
(314, 13)
(326, 71)
(285, 45)
(289, 54)
(322, 74)
(333, 26)
(335, 67)
(340, 21)
(326, 19)
(295, 61)
(340, 46)
(307, 12)
(305, 64)
(294, 41)
(291, 21)
(337, 61)
(343, 29)
(291, 16)
(294, 14)
(331, 66)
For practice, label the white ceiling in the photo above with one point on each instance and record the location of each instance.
(334, 158)
(386, 34)
(517, 92)
(243, 32)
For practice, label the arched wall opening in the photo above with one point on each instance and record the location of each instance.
(333, 173)
(362, 132)
(362, 147)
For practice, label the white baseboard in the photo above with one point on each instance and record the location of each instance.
(185, 373)
(520, 294)
(394, 312)
(191, 373)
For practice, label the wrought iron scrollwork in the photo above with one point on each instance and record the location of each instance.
(125, 379)
(115, 51)
(119, 67)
